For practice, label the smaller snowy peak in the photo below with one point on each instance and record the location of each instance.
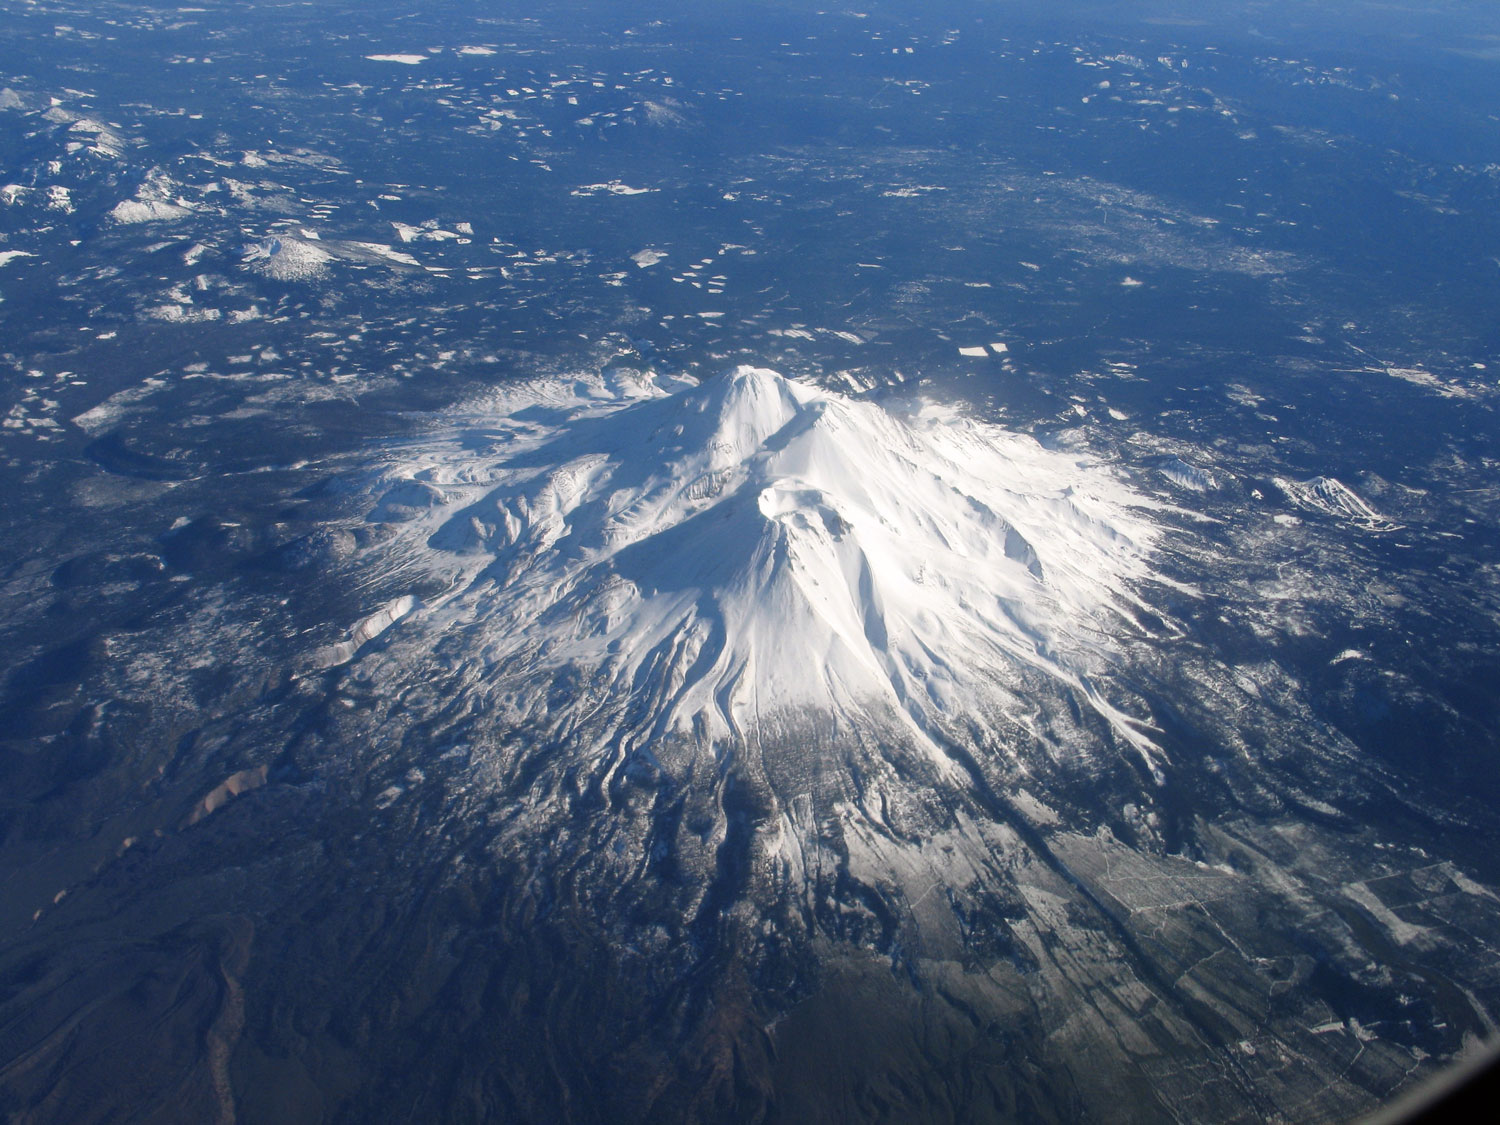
(1186, 475)
(146, 211)
(286, 258)
(158, 199)
(1332, 497)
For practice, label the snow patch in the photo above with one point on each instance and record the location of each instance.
(1421, 377)
(146, 211)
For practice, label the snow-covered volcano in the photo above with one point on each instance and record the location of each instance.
(710, 555)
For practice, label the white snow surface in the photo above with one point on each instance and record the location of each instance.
(719, 552)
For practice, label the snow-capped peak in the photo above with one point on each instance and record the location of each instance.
(753, 545)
